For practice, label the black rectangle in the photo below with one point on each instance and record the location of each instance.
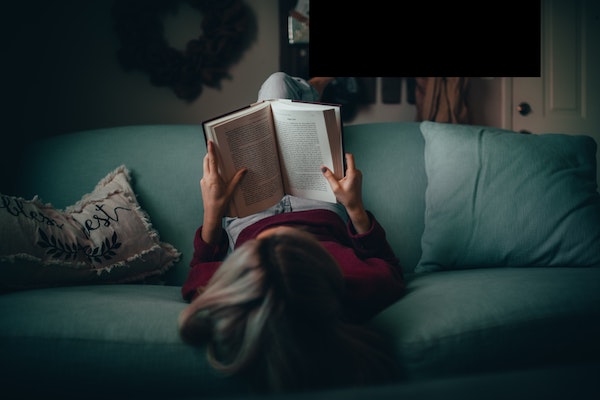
(434, 38)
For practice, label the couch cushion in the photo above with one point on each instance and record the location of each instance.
(498, 198)
(104, 238)
(489, 319)
(102, 341)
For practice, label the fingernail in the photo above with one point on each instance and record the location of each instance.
(323, 169)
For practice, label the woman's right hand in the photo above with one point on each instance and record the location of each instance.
(216, 194)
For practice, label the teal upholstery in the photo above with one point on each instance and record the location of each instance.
(121, 341)
(165, 163)
(498, 198)
(108, 339)
(457, 322)
(390, 156)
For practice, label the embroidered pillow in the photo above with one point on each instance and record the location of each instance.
(104, 238)
(497, 198)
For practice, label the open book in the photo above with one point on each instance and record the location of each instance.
(283, 143)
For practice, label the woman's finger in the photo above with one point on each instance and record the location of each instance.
(205, 165)
(333, 182)
(212, 157)
(350, 161)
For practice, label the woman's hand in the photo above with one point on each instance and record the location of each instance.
(348, 191)
(216, 194)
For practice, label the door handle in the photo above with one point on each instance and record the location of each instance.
(524, 108)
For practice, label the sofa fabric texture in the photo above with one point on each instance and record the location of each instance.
(496, 198)
(471, 309)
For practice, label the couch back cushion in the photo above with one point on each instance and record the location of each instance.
(391, 158)
(165, 163)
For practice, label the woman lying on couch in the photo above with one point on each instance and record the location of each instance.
(280, 296)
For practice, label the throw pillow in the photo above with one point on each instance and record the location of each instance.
(498, 198)
(104, 238)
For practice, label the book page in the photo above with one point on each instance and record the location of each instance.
(304, 146)
(333, 123)
(249, 142)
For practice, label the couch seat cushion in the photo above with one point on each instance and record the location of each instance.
(490, 319)
(104, 340)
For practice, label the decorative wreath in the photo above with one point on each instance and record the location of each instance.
(228, 28)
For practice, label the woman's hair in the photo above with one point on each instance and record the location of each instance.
(273, 313)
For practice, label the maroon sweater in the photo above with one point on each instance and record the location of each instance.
(373, 277)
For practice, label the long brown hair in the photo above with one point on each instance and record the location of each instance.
(273, 313)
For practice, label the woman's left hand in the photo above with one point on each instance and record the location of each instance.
(348, 191)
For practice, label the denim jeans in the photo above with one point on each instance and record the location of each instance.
(280, 85)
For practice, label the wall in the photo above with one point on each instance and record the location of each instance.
(72, 79)
(61, 74)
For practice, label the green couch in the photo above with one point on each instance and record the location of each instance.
(500, 248)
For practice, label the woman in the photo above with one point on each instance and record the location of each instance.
(284, 308)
